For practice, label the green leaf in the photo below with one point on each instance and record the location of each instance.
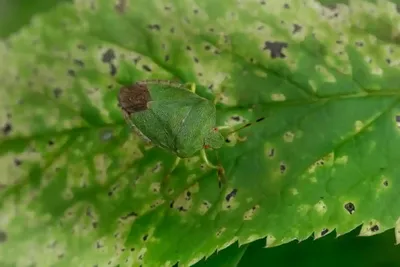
(80, 188)
(15, 14)
(349, 250)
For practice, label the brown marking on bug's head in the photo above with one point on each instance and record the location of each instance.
(134, 98)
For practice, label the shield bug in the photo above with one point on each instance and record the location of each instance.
(172, 116)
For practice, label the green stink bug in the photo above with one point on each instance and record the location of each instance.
(172, 116)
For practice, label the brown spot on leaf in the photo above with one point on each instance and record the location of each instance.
(296, 28)
(71, 73)
(134, 98)
(57, 92)
(231, 194)
(275, 48)
(350, 207)
(375, 228)
(113, 69)
(79, 63)
(108, 56)
(3, 237)
(324, 232)
(120, 6)
(7, 128)
(17, 162)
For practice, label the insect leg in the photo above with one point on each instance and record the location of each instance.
(220, 169)
(164, 182)
(193, 87)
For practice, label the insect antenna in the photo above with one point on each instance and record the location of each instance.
(241, 127)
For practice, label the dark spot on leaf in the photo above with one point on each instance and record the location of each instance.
(207, 47)
(188, 48)
(79, 63)
(196, 11)
(57, 92)
(3, 236)
(134, 98)
(228, 207)
(172, 30)
(166, 58)
(146, 68)
(17, 162)
(188, 194)
(129, 215)
(181, 208)
(359, 43)
(385, 183)
(154, 27)
(388, 61)
(262, 2)
(109, 262)
(275, 48)
(132, 249)
(398, 118)
(71, 73)
(282, 167)
(260, 119)
(324, 232)
(196, 59)
(145, 237)
(171, 204)
(108, 56)
(98, 245)
(120, 6)
(231, 194)
(110, 193)
(296, 28)
(286, 6)
(375, 228)
(51, 142)
(227, 140)
(167, 8)
(235, 118)
(61, 256)
(136, 60)
(350, 207)
(113, 69)
(260, 28)
(7, 128)
(81, 47)
(94, 224)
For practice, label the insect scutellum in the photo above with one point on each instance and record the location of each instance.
(181, 122)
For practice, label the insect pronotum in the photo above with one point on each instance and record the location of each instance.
(172, 116)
